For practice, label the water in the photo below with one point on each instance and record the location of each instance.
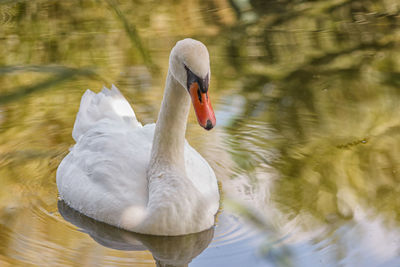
(306, 148)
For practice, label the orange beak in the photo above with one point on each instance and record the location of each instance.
(202, 106)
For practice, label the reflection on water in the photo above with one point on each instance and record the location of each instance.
(232, 244)
(167, 251)
(307, 147)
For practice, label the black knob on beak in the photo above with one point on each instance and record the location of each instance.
(209, 125)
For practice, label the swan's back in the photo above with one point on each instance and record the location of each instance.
(107, 105)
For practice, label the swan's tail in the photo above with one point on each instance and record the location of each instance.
(108, 104)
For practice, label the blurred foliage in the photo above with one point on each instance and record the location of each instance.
(325, 76)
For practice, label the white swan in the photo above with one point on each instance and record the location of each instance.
(145, 179)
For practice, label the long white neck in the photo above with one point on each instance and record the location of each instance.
(169, 136)
(175, 205)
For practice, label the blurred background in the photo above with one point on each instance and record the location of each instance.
(307, 143)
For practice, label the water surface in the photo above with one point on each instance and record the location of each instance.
(307, 145)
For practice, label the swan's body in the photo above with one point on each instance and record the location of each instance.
(145, 179)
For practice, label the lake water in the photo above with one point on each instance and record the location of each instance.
(306, 148)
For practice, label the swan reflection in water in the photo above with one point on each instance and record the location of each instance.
(174, 251)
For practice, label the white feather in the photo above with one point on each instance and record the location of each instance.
(107, 175)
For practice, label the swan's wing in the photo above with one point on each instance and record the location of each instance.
(104, 175)
(108, 104)
(105, 172)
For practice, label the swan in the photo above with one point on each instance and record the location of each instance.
(145, 179)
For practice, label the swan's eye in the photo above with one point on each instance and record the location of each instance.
(200, 86)
(199, 94)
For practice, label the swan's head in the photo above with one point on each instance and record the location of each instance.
(190, 65)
